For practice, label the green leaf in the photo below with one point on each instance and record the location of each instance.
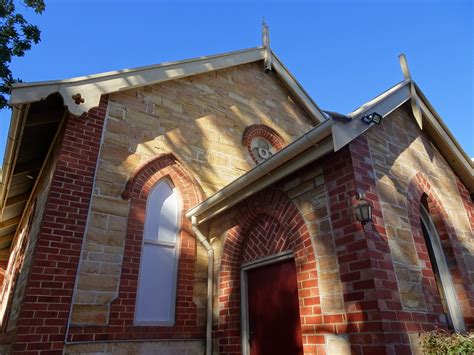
(17, 36)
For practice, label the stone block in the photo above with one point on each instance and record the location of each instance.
(404, 234)
(415, 344)
(300, 189)
(113, 206)
(403, 252)
(110, 269)
(324, 226)
(337, 344)
(319, 181)
(330, 284)
(312, 174)
(117, 223)
(115, 111)
(102, 237)
(332, 303)
(304, 202)
(324, 245)
(327, 263)
(97, 220)
(411, 295)
(89, 314)
(87, 349)
(97, 282)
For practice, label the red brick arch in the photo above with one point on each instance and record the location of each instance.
(268, 223)
(187, 324)
(419, 188)
(260, 130)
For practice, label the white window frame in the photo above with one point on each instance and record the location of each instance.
(177, 245)
(448, 287)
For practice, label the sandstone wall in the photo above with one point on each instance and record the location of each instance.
(321, 307)
(138, 348)
(200, 120)
(403, 155)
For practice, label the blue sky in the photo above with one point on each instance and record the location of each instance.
(343, 52)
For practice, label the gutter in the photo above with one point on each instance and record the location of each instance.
(229, 195)
(210, 282)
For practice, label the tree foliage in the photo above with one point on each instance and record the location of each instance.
(441, 342)
(16, 37)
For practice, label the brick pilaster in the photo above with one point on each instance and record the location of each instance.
(371, 295)
(44, 313)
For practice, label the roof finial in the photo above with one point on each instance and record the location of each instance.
(404, 66)
(265, 34)
(415, 105)
(266, 46)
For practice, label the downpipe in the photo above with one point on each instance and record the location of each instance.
(210, 282)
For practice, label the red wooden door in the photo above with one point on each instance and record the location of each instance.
(274, 317)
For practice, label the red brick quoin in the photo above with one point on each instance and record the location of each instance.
(122, 312)
(374, 321)
(420, 189)
(44, 313)
(268, 223)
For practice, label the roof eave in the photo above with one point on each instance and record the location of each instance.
(342, 133)
(91, 88)
(297, 89)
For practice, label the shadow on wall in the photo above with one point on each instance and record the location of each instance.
(400, 152)
(201, 120)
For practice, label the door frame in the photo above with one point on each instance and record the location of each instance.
(244, 320)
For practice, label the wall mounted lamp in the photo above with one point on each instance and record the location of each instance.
(363, 210)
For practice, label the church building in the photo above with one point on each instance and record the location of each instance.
(210, 206)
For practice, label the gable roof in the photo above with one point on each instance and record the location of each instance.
(82, 93)
(332, 135)
(21, 167)
(91, 87)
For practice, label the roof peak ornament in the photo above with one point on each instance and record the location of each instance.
(266, 46)
(415, 105)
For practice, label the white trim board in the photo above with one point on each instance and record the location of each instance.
(92, 87)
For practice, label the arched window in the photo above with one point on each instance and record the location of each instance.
(262, 142)
(156, 296)
(443, 279)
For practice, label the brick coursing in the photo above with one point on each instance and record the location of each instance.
(467, 201)
(402, 154)
(119, 325)
(306, 188)
(268, 223)
(420, 188)
(21, 255)
(258, 130)
(200, 120)
(370, 286)
(367, 273)
(44, 313)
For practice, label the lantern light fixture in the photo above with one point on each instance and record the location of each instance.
(363, 210)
